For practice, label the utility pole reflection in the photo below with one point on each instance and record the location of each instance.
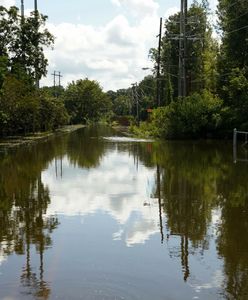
(160, 204)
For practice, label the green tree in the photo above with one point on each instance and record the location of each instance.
(24, 109)
(234, 28)
(121, 101)
(86, 101)
(147, 88)
(19, 105)
(233, 61)
(52, 112)
(22, 62)
(201, 56)
(121, 106)
(23, 41)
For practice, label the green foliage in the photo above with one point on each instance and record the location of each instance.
(236, 98)
(124, 100)
(51, 91)
(202, 52)
(147, 95)
(219, 68)
(145, 130)
(85, 101)
(233, 22)
(22, 63)
(121, 101)
(3, 69)
(52, 113)
(233, 61)
(22, 41)
(195, 116)
(24, 109)
(121, 105)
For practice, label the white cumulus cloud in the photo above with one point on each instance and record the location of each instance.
(138, 7)
(171, 11)
(113, 54)
(7, 3)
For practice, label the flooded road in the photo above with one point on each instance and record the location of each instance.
(93, 215)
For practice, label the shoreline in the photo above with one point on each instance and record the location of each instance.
(12, 142)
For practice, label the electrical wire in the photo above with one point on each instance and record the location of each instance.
(235, 30)
(240, 16)
(233, 4)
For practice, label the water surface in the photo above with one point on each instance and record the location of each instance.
(93, 215)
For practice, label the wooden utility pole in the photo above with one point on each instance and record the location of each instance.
(135, 97)
(180, 63)
(60, 79)
(56, 74)
(54, 83)
(36, 43)
(35, 6)
(22, 9)
(185, 47)
(160, 204)
(182, 76)
(22, 31)
(158, 100)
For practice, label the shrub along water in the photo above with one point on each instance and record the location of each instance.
(23, 109)
(195, 116)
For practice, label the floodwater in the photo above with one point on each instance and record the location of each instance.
(93, 215)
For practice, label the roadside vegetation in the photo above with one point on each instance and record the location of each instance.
(25, 108)
(216, 98)
(217, 78)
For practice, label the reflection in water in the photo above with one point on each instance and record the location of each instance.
(190, 195)
(160, 204)
(119, 194)
(196, 182)
(24, 201)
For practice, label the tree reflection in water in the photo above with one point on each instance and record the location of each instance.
(24, 201)
(192, 180)
(196, 179)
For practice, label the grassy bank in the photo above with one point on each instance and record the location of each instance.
(17, 141)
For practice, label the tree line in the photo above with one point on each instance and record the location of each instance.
(216, 76)
(216, 79)
(25, 108)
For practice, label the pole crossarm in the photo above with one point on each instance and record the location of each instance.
(56, 74)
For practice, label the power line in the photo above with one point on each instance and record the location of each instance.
(240, 16)
(235, 30)
(211, 77)
(233, 4)
(148, 87)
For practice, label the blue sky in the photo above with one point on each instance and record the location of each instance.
(105, 40)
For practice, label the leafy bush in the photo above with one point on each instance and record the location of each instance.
(24, 109)
(237, 99)
(195, 116)
(145, 130)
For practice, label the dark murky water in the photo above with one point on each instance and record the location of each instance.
(87, 217)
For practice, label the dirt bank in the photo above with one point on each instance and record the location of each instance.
(17, 141)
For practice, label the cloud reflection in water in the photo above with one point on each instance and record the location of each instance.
(115, 188)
